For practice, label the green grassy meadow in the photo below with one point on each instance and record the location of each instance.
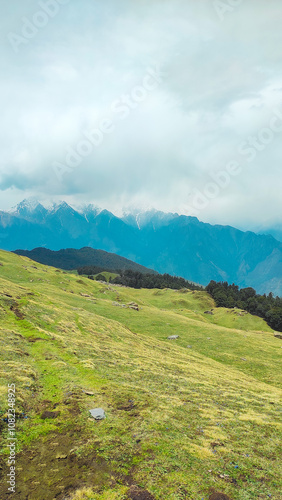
(185, 418)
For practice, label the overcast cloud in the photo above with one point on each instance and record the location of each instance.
(215, 75)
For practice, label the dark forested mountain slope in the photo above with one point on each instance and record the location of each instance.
(71, 258)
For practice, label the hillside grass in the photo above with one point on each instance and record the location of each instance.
(185, 417)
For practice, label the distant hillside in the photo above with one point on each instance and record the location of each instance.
(71, 258)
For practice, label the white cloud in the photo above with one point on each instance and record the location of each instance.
(223, 81)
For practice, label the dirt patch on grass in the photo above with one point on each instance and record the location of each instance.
(136, 493)
(49, 414)
(15, 309)
(219, 496)
(52, 470)
(126, 407)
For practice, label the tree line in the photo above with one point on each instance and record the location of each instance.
(135, 279)
(91, 270)
(265, 306)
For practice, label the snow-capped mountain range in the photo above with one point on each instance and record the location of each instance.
(166, 242)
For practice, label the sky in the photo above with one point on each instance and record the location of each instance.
(171, 104)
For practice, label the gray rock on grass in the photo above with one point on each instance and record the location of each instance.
(97, 413)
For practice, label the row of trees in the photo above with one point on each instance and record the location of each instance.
(267, 307)
(139, 280)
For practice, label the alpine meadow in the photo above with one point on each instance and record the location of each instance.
(185, 417)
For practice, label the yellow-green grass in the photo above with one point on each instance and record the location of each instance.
(185, 417)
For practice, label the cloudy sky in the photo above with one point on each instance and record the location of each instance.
(175, 104)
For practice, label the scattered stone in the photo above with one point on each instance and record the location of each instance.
(189, 347)
(209, 312)
(173, 337)
(116, 304)
(133, 305)
(278, 335)
(97, 413)
(85, 295)
(89, 393)
(49, 414)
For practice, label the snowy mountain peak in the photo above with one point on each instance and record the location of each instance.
(60, 206)
(28, 205)
(152, 217)
(89, 209)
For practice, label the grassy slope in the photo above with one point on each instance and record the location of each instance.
(181, 421)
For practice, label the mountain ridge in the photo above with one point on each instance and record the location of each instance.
(168, 243)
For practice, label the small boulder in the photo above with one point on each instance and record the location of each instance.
(278, 335)
(209, 312)
(97, 413)
(133, 305)
(173, 337)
